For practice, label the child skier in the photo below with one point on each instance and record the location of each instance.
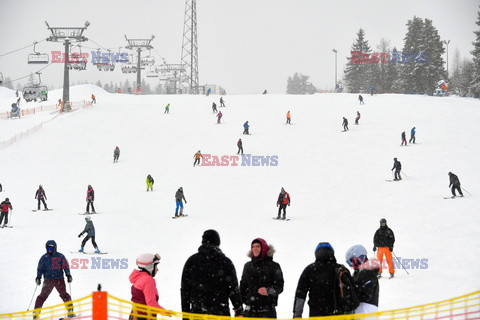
(90, 231)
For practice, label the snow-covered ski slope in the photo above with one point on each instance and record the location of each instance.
(336, 180)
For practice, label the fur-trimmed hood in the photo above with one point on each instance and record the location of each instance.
(271, 251)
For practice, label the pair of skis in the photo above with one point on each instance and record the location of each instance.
(33, 210)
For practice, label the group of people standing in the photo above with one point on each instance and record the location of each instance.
(412, 137)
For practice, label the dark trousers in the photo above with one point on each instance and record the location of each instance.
(272, 314)
(197, 161)
(90, 203)
(412, 138)
(222, 104)
(282, 206)
(345, 127)
(397, 174)
(43, 201)
(240, 150)
(454, 187)
(4, 214)
(356, 120)
(115, 158)
(245, 131)
(288, 120)
(47, 288)
(88, 238)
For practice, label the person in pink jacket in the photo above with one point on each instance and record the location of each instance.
(144, 287)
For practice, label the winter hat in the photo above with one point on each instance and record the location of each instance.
(264, 248)
(148, 261)
(211, 236)
(383, 220)
(88, 219)
(324, 251)
(356, 255)
(51, 244)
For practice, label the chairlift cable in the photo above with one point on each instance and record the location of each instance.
(11, 81)
(36, 42)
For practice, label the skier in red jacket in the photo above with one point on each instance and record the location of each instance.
(282, 202)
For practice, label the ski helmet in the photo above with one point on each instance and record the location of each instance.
(358, 253)
(383, 220)
(88, 219)
(40, 186)
(148, 261)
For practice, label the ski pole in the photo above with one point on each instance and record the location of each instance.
(403, 172)
(400, 262)
(32, 298)
(70, 289)
(466, 191)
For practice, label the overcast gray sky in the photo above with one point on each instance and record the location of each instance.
(245, 46)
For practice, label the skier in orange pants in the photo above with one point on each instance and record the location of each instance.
(384, 240)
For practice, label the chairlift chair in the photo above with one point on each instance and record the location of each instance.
(34, 92)
(152, 74)
(37, 57)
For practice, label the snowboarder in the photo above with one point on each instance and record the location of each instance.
(404, 139)
(288, 117)
(360, 98)
(365, 277)
(150, 182)
(93, 99)
(90, 199)
(41, 196)
(345, 124)
(6, 205)
(209, 280)
(178, 201)
(240, 146)
(454, 183)
(412, 135)
(222, 103)
(219, 117)
(262, 281)
(397, 165)
(90, 231)
(144, 288)
(52, 266)
(246, 127)
(282, 202)
(116, 154)
(197, 157)
(383, 240)
(167, 108)
(357, 118)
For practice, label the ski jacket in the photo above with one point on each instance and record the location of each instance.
(219, 115)
(283, 198)
(52, 266)
(198, 155)
(209, 280)
(384, 237)
(6, 205)
(403, 135)
(167, 106)
(288, 115)
(93, 97)
(150, 179)
(179, 196)
(116, 152)
(412, 132)
(360, 98)
(89, 229)
(239, 143)
(90, 194)
(40, 194)
(245, 125)
(144, 289)
(366, 280)
(397, 165)
(345, 121)
(454, 180)
(259, 273)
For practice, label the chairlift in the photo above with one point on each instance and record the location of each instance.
(147, 61)
(37, 57)
(34, 91)
(79, 64)
(106, 65)
(152, 74)
(129, 68)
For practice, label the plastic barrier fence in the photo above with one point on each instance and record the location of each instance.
(24, 112)
(102, 306)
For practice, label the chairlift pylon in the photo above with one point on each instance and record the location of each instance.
(37, 57)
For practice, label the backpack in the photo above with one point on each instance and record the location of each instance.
(347, 298)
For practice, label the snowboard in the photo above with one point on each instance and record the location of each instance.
(185, 215)
(87, 214)
(453, 197)
(281, 219)
(6, 227)
(88, 252)
(35, 210)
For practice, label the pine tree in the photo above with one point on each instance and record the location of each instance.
(299, 84)
(393, 81)
(435, 70)
(475, 86)
(380, 70)
(358, 72)
(413, 71)
(8, 83)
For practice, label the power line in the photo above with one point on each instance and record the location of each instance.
(1, 55)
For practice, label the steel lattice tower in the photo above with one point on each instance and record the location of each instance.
(190, 47)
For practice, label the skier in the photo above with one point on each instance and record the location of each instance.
(16, 93)
(412, 135)
(197, 157)
(288, 117)
(90, 231)
(116, 154)
(240, 146)
(6, 205)
(167, 108)
(41, 196)
(404, 139)
(52, 266)
(246, 127)
(365, 277)
(360, 98)
(209, 280)
(357, 118)
(90, 199)
(178, 201)
(265, 92)
(150, 182)
(345, 124)
(219, 117)
(222, 103)
(282, 202)
(214, 107)
(209, 91)
(144, 288)
(1, 189)
(454, 183)
(262, 281)
(93, 99)
(398, 167)
(384, 240)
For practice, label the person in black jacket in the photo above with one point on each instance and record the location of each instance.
(41, 196)
(320, 280)
(345, 124)
(209, 280)
(397, 165)
(365, 278)
(384, 240)
(455, 184)
(240, 146)
(404, 139)
(262, 281)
